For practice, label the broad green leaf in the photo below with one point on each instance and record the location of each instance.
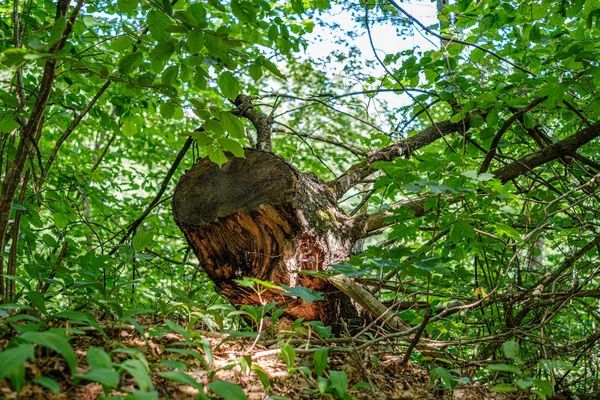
(229, 85)
(232, 146)
(289, 355)
(189, 352)
(55, 341)
(504, 388)
(297, 6)
(476, 120)
(444, 375)
(181, 377)
(306, 294)
(142, 239)
(176, 328)
(158, 22)
(121, 43)
(14, 58)
(129, 62)
(214, 126)
(262, 375)
(139, 372)
(322, 330)
(48, 383)
(129, 128)
(233, 125)
(255, 71)
(126, 6)
(195, 41)
(323, 384)
(169, 75)
(227, 390)
(14, 358)
(105, 376)
(339, 380)
(167, 110)
(8, 123)
(320, 361)
(162, 52)
(97, 358)
(243, 10)
(510, 349)
(505, 368)
(529, 120)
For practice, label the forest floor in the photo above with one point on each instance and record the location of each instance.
(382, 370)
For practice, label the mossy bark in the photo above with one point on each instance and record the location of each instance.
(260, 217)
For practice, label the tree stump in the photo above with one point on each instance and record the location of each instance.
(260, 217)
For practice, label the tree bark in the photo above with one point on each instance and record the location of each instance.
(259, 217)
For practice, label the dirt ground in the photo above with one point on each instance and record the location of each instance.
(381, 370)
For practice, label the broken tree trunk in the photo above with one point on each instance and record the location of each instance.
(259, 217)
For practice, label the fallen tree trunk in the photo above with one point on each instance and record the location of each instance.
(260, 217)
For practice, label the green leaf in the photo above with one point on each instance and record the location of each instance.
(162, 52)
(48, 383)
(503, 388)
(228, 390)
(288, 353)
(233, 125)
(306, 294)
(14, 358)
(339, 380)
(126, 6)
(121, 43)
(97, 358)
(214, 126)
(195, 41)
(255, 71)
(55, 341)
(529, 120)
(244, 11)
(182, 377)
(176, 328)
(105, 376)
(476, 120)
(524, 383)
(510, 349)
(322, 330)
(137, 395)
(167, 110)
(232, 146)
(14, 58)
(8, 123)
(322, 4)
(189, 352)
(37, 299)
(139, 372)
(169, 75)
(130, 62)
(320, 361)
(323, 384)
(229, 85)
(158, 22)
(444, 375)
(262, 375)
(297, 6)
(505, 368)
(129, 128)
(544, 386)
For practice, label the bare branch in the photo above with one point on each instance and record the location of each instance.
(261, 121)
(561, 148)
(403, 148)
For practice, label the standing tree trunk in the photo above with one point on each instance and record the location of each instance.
(260, 217)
